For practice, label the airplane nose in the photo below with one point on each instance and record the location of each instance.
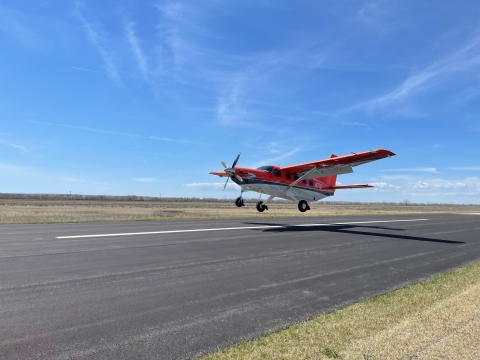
(230, 171)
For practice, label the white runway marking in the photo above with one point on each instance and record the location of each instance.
(233, 228)
(470, 214)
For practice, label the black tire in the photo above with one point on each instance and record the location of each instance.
(260, 206)
(239, 202)
(303, 206)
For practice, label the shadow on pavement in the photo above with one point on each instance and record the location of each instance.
(348, 229)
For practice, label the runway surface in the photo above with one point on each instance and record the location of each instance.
(160, 290)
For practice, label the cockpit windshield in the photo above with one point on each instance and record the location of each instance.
(267, 168)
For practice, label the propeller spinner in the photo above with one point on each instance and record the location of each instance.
(231, 170)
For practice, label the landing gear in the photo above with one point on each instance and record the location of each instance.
(239, 202)
(303, 206)
(261, 207)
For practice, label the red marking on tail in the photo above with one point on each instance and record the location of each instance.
(330, 181)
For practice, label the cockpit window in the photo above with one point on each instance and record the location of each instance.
(267, 168)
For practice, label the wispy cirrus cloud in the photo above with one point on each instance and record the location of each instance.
(370, 14)
(466, 168)
(12, 27)
(188, 55)
(116, 133)
(462, 59)
(163, 138)
(356, 123)
(254, 73)
(100, 131)
(276, 159)
(133, 40)
(16, 146)
(230, 109)
(97, 39)
(83, 69)
(417, 169)
(183, 53)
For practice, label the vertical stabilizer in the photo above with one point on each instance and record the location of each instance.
(330, 180)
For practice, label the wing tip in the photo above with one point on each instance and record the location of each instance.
(386, 152)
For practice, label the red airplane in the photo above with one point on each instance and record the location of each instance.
(302, 183)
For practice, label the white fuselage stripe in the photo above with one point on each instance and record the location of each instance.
(232, 228)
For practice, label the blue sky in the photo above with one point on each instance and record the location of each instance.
(129, 97)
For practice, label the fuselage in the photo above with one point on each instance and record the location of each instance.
(271, 180)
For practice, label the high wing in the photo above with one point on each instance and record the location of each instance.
(336, 165)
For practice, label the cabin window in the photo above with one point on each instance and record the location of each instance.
(304, 181)
(288, 176)
(267, 169)
(277, 172)
(296, 177)
(311, 183)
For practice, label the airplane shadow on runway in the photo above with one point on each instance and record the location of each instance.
(347, 229)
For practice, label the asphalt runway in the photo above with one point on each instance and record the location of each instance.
(178, 289)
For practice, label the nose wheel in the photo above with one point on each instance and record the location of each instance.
(239, 202)
(303, 206)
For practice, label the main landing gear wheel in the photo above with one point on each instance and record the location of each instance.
(239, 202)
(303, 206)
(261, 207)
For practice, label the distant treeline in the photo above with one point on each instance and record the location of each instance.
(11, 196)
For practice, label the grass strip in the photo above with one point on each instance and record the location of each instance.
(434, 319)
(38, 212)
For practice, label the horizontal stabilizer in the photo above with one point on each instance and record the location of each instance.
(354, 186)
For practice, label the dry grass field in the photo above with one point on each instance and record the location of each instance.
(57, 211)
(435, 319)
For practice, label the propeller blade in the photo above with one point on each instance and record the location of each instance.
(224, 186)
(224, 164)
(236, 159)
(238, 178)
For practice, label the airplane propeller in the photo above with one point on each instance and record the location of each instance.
(231, 170)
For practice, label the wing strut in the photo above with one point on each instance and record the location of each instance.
(301, 178)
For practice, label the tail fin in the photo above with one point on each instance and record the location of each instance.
(330, 180)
